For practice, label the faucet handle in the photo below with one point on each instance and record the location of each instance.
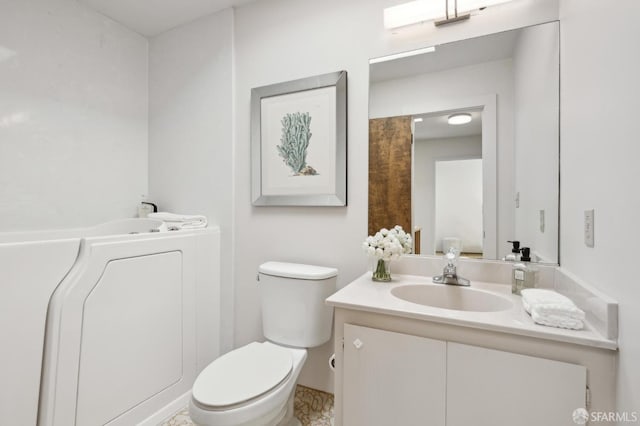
(449, 274)
(451, 255)
(451, 258)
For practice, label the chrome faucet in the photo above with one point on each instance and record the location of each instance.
(449, 274)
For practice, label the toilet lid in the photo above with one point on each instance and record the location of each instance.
(242, 374)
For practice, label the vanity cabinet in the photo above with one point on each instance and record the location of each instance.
(487, 387)
(391, 378)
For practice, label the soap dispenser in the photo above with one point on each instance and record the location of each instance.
(531, 275)
(145, 208)
(514, 256)
(518, 273)
(523, 274)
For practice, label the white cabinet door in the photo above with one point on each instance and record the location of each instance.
(392, 379)
(493, 388)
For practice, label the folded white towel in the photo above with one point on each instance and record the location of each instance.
(561, 310)
(180, 221)
(554, 302)
(558, 321)
(547, 307)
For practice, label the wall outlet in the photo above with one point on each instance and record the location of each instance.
(588, 227)
(542, 221)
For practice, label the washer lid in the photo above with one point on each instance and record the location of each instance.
(297, 270)
(242, 374)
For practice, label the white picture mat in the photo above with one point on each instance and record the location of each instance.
(277, 177)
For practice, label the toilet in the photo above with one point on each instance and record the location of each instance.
(254, 385)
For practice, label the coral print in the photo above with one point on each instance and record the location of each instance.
(296, 133)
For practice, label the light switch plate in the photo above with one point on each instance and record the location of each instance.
(588, 228)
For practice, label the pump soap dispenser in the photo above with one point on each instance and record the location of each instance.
(515, 252)
(518, 273)
(524, 274)
(531, 274)
(145, 208)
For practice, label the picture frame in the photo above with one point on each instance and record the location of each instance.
(299, 142)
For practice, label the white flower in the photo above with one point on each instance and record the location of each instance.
(388, 244)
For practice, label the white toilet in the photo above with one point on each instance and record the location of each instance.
(254, 385)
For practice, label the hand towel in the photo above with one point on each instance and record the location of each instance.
(550, 302)
(562, 309)
(557, 321)
(180, 221)
(547, 307)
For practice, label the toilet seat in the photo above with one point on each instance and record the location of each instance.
(242, 375)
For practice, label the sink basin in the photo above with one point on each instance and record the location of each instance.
(451, 297)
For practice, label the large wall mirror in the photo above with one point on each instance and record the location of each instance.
(464, 144)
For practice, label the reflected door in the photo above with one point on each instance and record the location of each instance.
(458, 207)
(390, 141)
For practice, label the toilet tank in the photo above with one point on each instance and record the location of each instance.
(292, 298)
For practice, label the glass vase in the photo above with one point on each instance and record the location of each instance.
(381, 271)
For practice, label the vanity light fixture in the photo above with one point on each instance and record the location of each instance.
(417, 120)
(402, 55)
(460, 118)
(433, 10)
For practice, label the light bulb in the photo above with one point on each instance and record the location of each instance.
(461, 118)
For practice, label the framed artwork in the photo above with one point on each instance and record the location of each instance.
(299, 142)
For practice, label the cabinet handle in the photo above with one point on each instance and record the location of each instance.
(358, 343)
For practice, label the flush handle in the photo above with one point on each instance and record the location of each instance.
(358, 343)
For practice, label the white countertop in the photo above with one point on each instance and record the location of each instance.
(363, 294)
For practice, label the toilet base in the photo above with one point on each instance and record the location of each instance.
(282, 417)
(289, 419)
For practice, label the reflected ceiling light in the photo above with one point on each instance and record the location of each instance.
(461, 118)
(402, 55)
(417, 120)
(440, 11)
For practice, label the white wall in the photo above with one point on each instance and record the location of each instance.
(73, 116)
(426, 151)
(429, 92)
(190, 132)
(599, 162)
(536, 130)
(73, 132)
(281, 40)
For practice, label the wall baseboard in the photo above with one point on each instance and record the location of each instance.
(167, 411)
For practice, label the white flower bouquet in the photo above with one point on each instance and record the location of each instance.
(385, 245)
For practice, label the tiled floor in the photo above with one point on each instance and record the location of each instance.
(180, 419)
(312, 407)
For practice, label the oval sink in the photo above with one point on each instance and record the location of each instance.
(451, 297)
